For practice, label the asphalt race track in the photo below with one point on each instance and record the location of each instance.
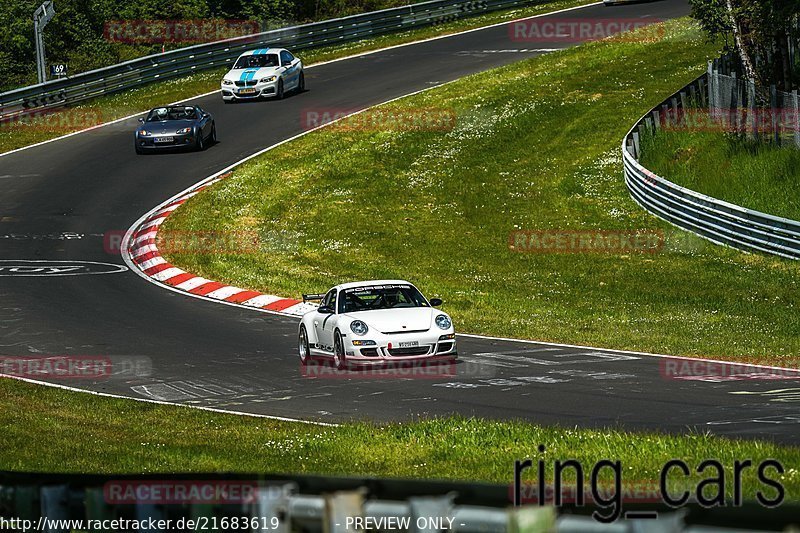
(59, 199)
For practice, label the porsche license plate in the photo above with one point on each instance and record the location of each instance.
(163, 139)
(247, 91)
(409, 344)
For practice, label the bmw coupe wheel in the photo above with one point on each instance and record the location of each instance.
(338, 353)
(279, 94)
(301, 83)
(305, 353)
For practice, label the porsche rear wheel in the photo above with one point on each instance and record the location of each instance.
(339, 358)
(305, 353)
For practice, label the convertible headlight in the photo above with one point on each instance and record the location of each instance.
(268, 79)
(227, 82)
(358, 327)
(443, 321)
(184, 131)
(144, 133)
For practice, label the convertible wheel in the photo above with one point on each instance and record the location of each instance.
(305, 354)
(338, 353)
(200, 144)
(279, 93)
(213, 134)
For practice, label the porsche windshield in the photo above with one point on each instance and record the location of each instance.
(380, 297)
(257, 61)
(160, 114)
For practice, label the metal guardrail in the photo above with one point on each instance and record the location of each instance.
(177, 63)
(716, 220)
(286, 503)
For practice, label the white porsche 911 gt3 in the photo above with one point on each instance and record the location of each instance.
(263, 72)
(373, 322)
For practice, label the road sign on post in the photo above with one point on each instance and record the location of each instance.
(41, 17)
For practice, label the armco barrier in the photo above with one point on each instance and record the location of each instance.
(286, 503)
(181, 62)
(718, 221)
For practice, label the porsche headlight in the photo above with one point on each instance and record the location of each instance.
(268, 79)
(443, 321)
(358, 327)
(227, 82)
(184, 131)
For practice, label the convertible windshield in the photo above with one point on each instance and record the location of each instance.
(380, 297)
(257, 61)
(161, 114)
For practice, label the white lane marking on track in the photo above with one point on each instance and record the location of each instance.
(345, 58)
(171, 404)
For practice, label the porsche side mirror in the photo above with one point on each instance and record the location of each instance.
(324, 309)
(436, 302)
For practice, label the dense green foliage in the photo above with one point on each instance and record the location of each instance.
(76, 33)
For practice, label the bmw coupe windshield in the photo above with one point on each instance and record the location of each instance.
(257, 61)
(381, 297)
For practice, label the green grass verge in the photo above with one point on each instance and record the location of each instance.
(758, 176)
(30, 131)
(51, 430)
(536, 146)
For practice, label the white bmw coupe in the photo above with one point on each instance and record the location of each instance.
(266, 72)
(371, 322)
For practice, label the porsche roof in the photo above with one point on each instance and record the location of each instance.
(345, 286)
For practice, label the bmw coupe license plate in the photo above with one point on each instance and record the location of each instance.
(247, 91)
(410, 344)
(163, 139)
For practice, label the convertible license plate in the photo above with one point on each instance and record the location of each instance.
(409, 344)
(247, 91)
(163, 139)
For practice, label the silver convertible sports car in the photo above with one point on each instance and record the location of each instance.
(177, 126)
(369, 322)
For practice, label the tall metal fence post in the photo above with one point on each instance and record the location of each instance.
(773, 105)
(795, 119)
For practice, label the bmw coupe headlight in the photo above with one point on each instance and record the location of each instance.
(358, 327)
(268, 79)
(443, 321)
(184, 131)
(227, 82)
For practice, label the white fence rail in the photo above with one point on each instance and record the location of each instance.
(716, 220)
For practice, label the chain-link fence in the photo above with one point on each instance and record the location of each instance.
(740, 106)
